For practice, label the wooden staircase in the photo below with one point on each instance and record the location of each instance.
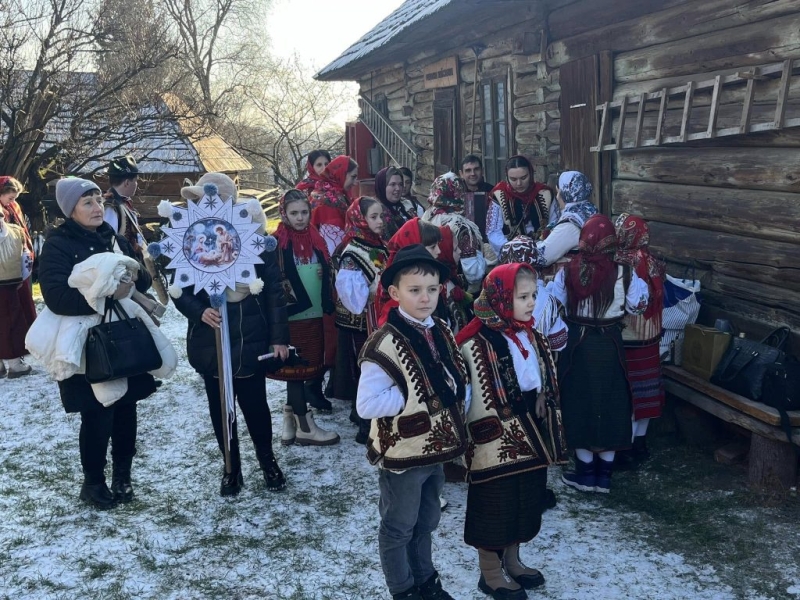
(759, 80)
(400, 150)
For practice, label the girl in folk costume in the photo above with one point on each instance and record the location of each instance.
(518, 205)
(413, 232)
(568, 215)
(642, 332)
(316, 162)
(360, 260)
(396, 209)
(457, 300)
(17, 310)
(447, 210)
(408, 182)
(595, 396)
(513, 425)
(547, 310)
(304, 264)
(329, 200)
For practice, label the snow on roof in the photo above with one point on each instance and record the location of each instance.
(402, 19)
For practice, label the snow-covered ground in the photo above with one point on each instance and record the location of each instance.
(317, 539)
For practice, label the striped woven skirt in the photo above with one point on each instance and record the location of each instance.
(644, 377)
(308, 337)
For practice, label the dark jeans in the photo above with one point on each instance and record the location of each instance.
(410, 511)
(117, 423)
(251, 394)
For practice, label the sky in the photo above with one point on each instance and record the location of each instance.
(320, 30)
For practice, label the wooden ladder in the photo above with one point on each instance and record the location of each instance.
(750, 78)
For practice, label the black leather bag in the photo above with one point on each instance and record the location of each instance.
(782, 391)
(117, 349)
(744, 364)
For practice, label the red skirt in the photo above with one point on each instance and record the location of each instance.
(17, 314)
(307, 337)
(644, 376)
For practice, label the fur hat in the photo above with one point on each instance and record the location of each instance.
(409, 256)
(226, 188)
(122, 166)
(69, 190)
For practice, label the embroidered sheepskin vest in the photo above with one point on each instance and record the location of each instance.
(537, 214)
(425, 432)
(504, 435)
(371, 260)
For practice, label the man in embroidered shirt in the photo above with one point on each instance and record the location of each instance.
(413, 386)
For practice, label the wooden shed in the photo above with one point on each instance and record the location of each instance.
(709, 159)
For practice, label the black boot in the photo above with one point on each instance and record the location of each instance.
(432, 589)
(232, 482)
(121, 485)
(603, 475)
(273, 476)
(409, 594)
(94, 491)
(315, 397)
(640, 451)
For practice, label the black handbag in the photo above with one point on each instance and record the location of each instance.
(782, 391)
(741, 369)
(122, 348)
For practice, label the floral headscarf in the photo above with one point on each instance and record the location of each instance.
(356, 226)
(303, 242)
(633, 238)
(576, 191)
(329, 190)
(494, 308)
(447, 193)
(592, 272)
(522, 249)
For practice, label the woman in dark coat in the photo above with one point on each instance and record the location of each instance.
(256, 322)
(83, 234)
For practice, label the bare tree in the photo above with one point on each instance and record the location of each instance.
(289, 114)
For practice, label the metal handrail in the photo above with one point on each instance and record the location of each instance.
(400, 150)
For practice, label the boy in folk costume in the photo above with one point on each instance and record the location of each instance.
(123, 175)
(360, 260)
(417, 420)
(514, 428)
(642, 332)
(304, 264)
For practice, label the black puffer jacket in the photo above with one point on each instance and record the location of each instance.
(255, 323)
(64, 248)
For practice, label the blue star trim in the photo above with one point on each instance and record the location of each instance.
(211, 203)
(169, 247)
(215, 286)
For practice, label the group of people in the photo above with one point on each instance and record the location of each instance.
(500, 327)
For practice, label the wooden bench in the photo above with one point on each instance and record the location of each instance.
(772, 459)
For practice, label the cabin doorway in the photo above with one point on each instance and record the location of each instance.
(445, 131)
(585, 83)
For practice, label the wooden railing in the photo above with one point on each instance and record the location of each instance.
(400, 150)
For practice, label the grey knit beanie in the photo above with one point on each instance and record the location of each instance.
(69, 190)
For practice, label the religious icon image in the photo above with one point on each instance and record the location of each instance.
(211, 244)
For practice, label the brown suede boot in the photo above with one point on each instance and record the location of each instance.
(494, 580)
(525, 576)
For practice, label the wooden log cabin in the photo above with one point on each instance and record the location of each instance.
(711, 160)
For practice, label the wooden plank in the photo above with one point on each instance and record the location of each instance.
(601, 136)
(728, 414)
(758, 410)
(747, 106)
(661, 113)
(755, 44)
(783, 94)
(768, 169)
(605, 163)
(637, 141)
(642, 30)
(621, 128)
(712, 208)
(714, 110)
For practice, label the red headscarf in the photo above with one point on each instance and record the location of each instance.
(15, 217)
(407, 235)
(592, 272)
(310, 182)
(446, 248)
(329, 190)
(303, 242)
(495, 307)
(633, 238)
(356, 226)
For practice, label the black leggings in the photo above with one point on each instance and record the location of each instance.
(251, 394)
(117, 423)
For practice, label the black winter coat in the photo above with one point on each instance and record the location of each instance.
(64, 248)
(255, 323)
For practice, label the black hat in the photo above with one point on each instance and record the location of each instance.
(122, 166)
(412, 255)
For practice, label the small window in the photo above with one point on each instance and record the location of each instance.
(496, 133)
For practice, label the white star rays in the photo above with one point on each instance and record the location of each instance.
(213, 244)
